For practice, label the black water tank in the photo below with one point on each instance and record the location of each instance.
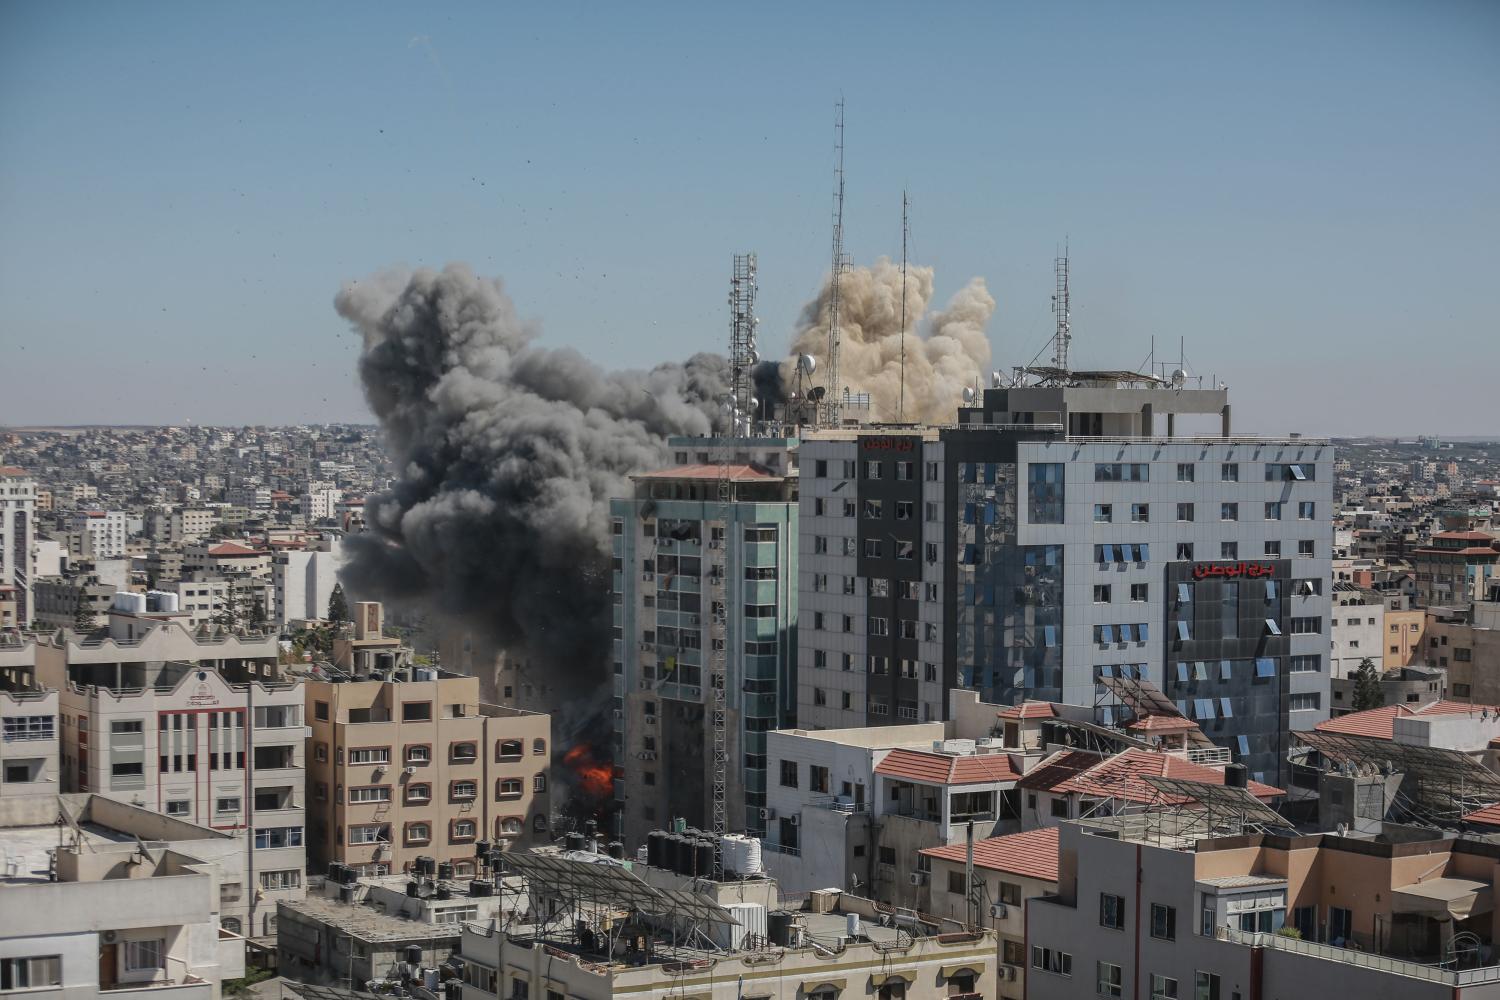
(654, 841)
(413, 889)
(481, 847)
(443, 892)
(335, 872)
(678, 855)
(616, 850)
(573, 841)
(703, 853)
(481, 887)
(414, 954)
(779, 927)
(351, 875)
(445, 870)
(1236, 776)
(424, 865)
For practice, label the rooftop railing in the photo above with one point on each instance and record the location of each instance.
(1363, 959)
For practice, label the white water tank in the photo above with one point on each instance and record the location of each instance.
(851, 926)
(741, 854)
(129, 602)
(958, 746)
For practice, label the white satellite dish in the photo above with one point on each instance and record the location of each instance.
(808, 363)
(968, 394)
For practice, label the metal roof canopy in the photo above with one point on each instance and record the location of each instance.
(565, 878)
(1144, 698)
(1222, 800)
(1442, 783)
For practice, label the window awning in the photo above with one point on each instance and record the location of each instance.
(822, 985)
(1443, 898)
(949, 971)
(879, 979)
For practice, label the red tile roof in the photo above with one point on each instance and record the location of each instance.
(1162, 724)
(735, 472)
(12, 470)
(1120, 776)
(1029, 710)
(1489, 815)
(947, 769)
(1032, 854)
(231, 549)
(1380, 723)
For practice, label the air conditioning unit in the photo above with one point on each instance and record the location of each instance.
(650, 720)
(411, 769)
(998, 911)
(767, 813)
(647, 755)
(1007, 973)
(917, 878)
(648, 577)
(109, 937)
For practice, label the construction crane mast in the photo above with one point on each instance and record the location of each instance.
(833, 399)
(1061, 310)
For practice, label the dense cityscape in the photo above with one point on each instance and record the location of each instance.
(967, 502)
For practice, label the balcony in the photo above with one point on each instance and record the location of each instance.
(187, 988)
(1363, 959)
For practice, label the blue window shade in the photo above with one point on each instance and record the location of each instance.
(1297, 472)
(969, 512)
(1049, 636)
(1200, 671)
(969, 554)
(1126, 634)
(1224, 671)
(989, 472)
(1106, 633)
(1143, 553)
(965, 472)
(1107, 671)
(1244, 742)
(1272, 628)
(1109, 553)
(1107, 715)
(1203, 708)
(1184, 593)
(989, 513)
(1225, 708)
(1182, 707)
(1142, 632)
(1127, 553)
(1182, 631)
(1265, 667)
(1270, 590)
(1182, 673)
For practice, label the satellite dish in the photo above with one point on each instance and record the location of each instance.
(968, 394)
(754, 357)
(816, 393)
(754, 402)
(997, 379)
(808, 363)
(1179, 378)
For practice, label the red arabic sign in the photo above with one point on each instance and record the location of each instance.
(1203, 570)
(889, 443)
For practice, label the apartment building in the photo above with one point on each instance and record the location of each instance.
(104, 529)
(411, 764)
(1264, 915)
(29, 747)
(227, 560)
(98, 897)
(320, 504)
(1455, 566)
(703, 583)
(1357, 630)
(17, 535)
(302, 581)
(993, 890)
(1466, 643)
(1056, 536)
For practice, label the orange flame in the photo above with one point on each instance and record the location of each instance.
(594, 777)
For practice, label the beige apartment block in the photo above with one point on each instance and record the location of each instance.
(29, 750)
(411, 764)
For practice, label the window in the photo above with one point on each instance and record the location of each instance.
(126, 727)
(788, 774)
(1306, 664)
(1184, 551)
(1229, 512)
(820, 468)
(1273, 549)
(1307, 626)
(956, 882)
(1140, 513)
(228, 804)
(1051, 960)
(1111, 911)
(1273, 510)
(1104, 513)
(874, 510)
(1117, 472)
(1277, 472)
(31, 973)
(1101, 593)
(1010, 895)
(904, 471)
(416, 711)
(418, 793)
(463, 753)
(1304, 702)
(1060, 807)
(461, 791)
(1044, 492)
(372, 793)
(289, 878)
(508, 788)
(463, 829)
(178, 807)
(872, 548)
(1163, 987)
(1229, 472)
(539, 783)
(1205, 986)
(1164, 922)
(1184, 512)
(374, 833)
(1306, 547)
(1139, 591)
(1184, 472)
(1108, 977)
(904, 509)
(1229, 550)
(370, 755)
(510, 750)
(143, 956)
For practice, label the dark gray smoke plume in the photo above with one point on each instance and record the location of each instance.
(507, 455)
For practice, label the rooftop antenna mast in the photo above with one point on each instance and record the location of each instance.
(832, 401)
(743, 357)
(905, 232)
(1061, 309)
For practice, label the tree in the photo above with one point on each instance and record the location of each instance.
(1367, 691)
(258, 611)
(83, 615)
(338, 607)
(229, 615)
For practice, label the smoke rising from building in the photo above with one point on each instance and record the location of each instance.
(507, 454)
(945, 351)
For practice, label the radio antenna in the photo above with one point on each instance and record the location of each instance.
(905, 230)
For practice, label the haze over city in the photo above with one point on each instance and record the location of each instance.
(183, 189)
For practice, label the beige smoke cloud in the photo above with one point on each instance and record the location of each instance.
(946, 350)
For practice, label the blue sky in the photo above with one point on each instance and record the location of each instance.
(1308, 193)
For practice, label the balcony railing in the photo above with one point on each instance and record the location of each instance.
(1363, 959)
